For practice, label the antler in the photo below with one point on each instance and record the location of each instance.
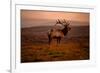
(67, 22)
(63, 22)
(59, 21)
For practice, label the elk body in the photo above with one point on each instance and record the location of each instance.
(58, 33)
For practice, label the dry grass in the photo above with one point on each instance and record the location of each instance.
(36, 49)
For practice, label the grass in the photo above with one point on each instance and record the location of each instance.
(36, 49)
(42, 52)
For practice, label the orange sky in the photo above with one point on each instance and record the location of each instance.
(47, 15)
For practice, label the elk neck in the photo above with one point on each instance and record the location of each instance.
(65, 30)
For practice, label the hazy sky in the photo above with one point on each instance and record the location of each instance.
(35, 18)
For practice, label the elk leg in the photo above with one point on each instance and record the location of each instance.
(59, 40)
(49, 39)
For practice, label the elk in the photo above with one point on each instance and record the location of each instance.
(58, 33)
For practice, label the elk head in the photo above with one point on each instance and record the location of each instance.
(65, 24)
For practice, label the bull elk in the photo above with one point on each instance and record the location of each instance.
(59, 33)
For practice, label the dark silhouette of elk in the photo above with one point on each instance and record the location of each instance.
(58, 33)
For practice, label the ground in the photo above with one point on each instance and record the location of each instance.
(35, 47)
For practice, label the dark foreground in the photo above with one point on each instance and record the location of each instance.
(35, 48)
